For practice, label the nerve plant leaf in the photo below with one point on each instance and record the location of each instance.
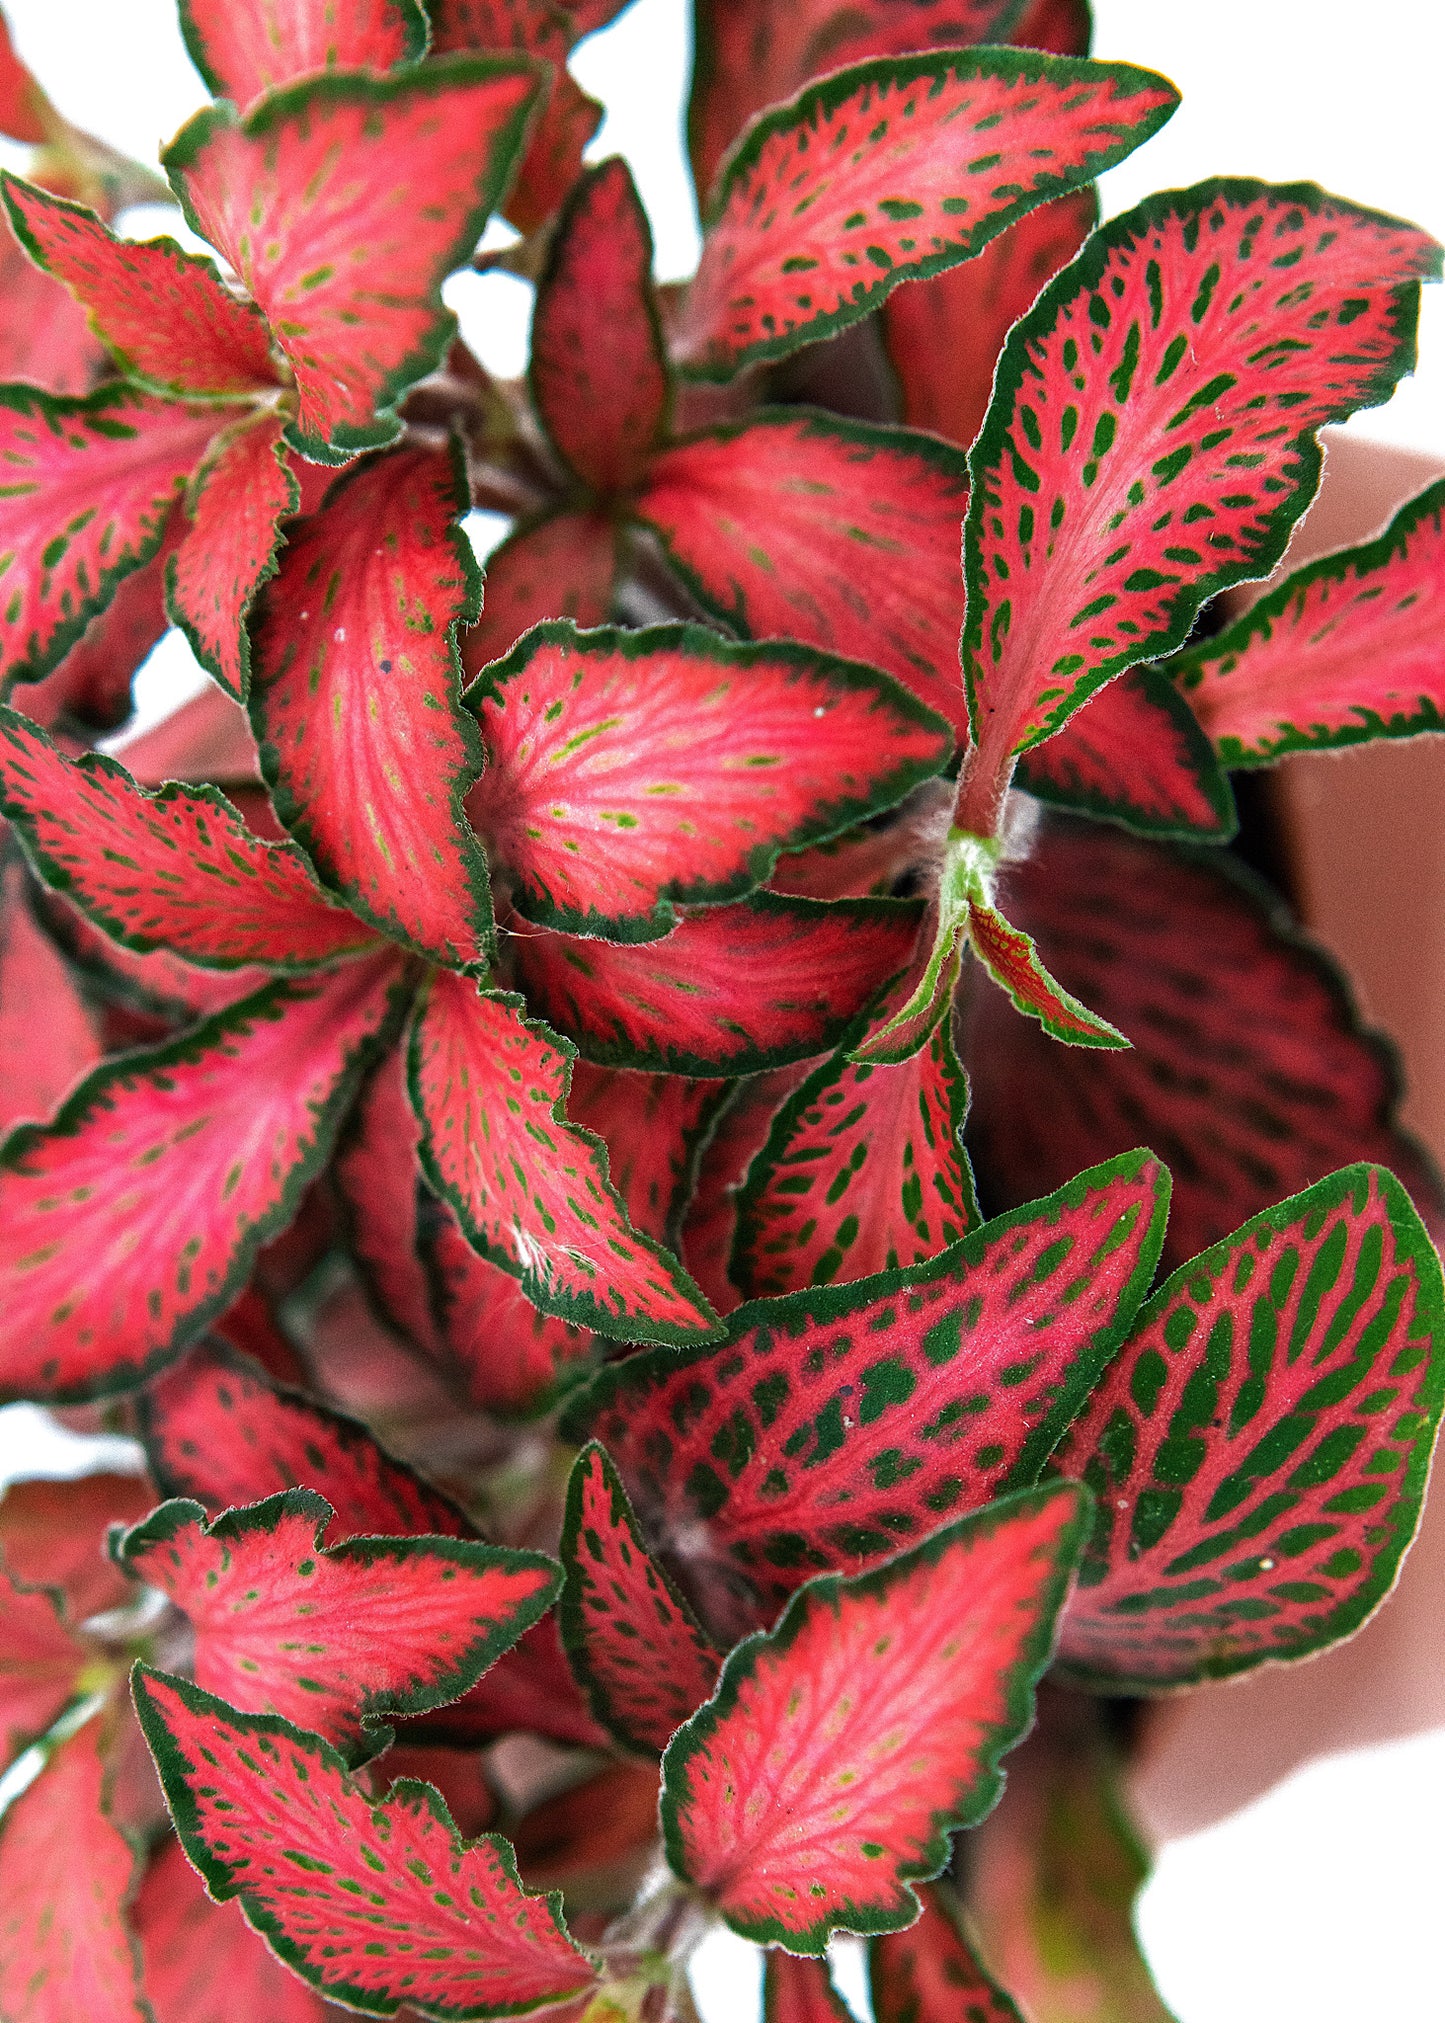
(633, 1642)
(632, 772)
(40, 1665)
(218, 1429)
(831, 1426)
(163, 314)
(529, 1190)
(49, 1035)
(931, 1973)
(375, 1904)
(65, 1875)
(1260, 1447)
(502, 1354)
(132, 1219)
(242, 52)
(563, 566)
(176, 869)
(730, 990)
(1146, 355)
(797, 1989)
(336, 1638)
(89, 485)
(1348, 648)
(889, 171)
(598, 370)
(312, 198)
(839, 533)
(354, 702)
(842, 1748)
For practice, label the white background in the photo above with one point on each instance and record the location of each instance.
(1322, 1902)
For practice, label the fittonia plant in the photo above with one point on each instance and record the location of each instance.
(530, 1029)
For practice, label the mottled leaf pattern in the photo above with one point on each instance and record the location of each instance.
(164, 1172)
(634, 1644)
(164, 314)
(1348, 648)
(838, 533)
(654, 1128)
(176, 869)
(1259, 1449)
(931, 1973)
(334, 1638)
(354, 702)
(530, 1191)
(632, 772)
(733, 989)
(244, 51)
(313, 200)
(890, 171)
(89, 484)
(843, 1747)
(459, 1936)
(832, 1426)
(202, 1963)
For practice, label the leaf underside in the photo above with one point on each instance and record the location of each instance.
(505, 1355)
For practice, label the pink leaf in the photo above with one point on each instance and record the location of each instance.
(52, 1535)
(91, 685)
(312, 199)
(90, 485)
(49, 1036)
(654, 1128)
(1012, 960)
(831, 1426)
(40, 1666)
(202, 1962)
(632, 772)
(379, 1175)
(218, 1429)
(176, 869)
(45, 339)
(242, 52)
(25, 112)
(354, 700)
(799, 1990)
(1348, 648)
(560, 567)
(334, 1638)
(733, 989)
(531, 1192)
(709, 1230)
(923, 1975)
(388, 1905)
(599, 374)
(133, 1218)
(838, 533)
(1260, 1447)
(890, 171)
(163, 314)
(634, 1644)
(504, 1356)
(843, 1747)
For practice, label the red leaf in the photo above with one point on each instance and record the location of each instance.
(1348, 648)
(931, 1973)
(1135, 754)
(40, 1666)
(733, 989)
(838, 533)
(338, 1638)
(943, 337)
(48, 1034)
(753, 53)
(1260, 1447)
(1143, 356)
(90, 485)
(218, 1429)
(843, 1747)
(831, 1426)
(230, 549)
(312, 198)
(632, 772)
(459, 1937)
(1249, 1072)
(738, 1137)
(528, 1691)
(164, 315)
(91, 685)
(202, 1962)
(155, 986)
(207, 738)
(800, 1990)
(634, 1644)
(560, 567)
(354, 702)
(52, 1534)
(530, 1192)
(904, 166)
(380, 1176)
(507, 1358)
(1064, 26)
(176, 869)
(134, 1217)
(598, 371)
(654, 1128)
(65, 1874)
(243, 52)
(1012, 960)
(45, 339)
(863, 1171)
(25, 112)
